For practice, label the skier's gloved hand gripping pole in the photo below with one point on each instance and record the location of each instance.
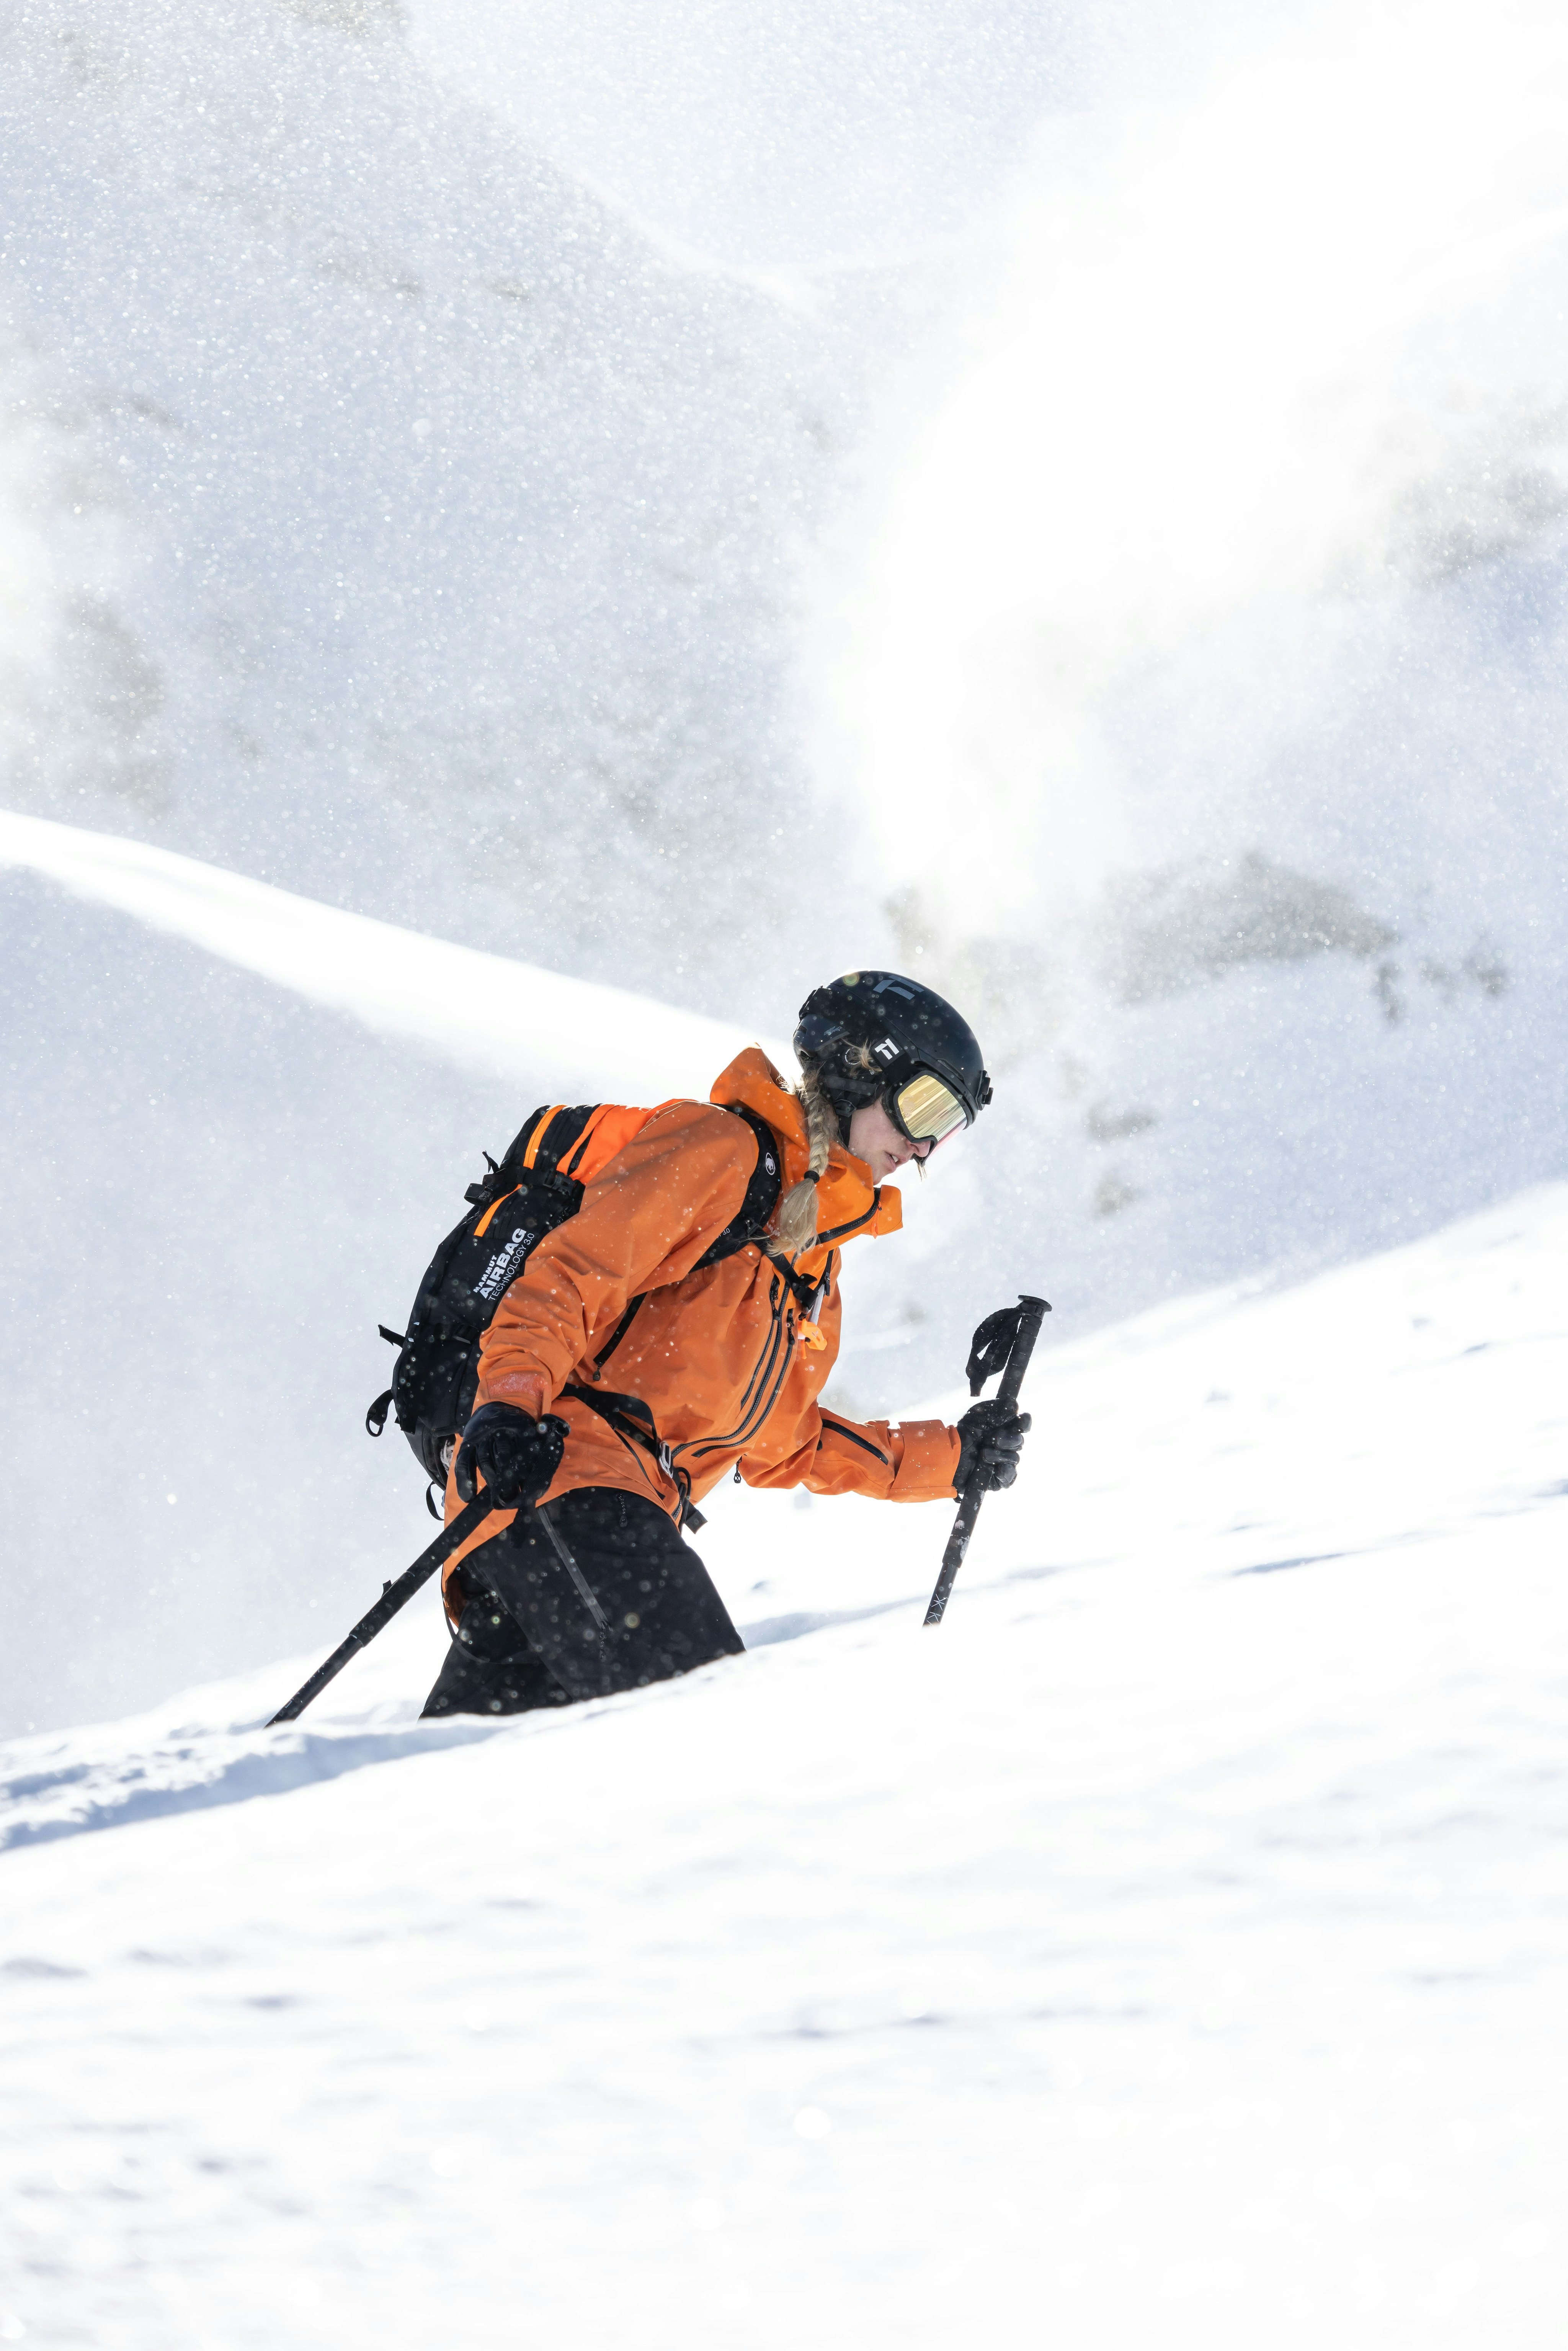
(994, 1432)
(519, 1456)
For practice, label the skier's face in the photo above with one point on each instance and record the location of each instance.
(874, 1138)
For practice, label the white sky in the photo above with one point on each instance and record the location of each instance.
(763, 132)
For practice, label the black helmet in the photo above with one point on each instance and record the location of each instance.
(868, 1035)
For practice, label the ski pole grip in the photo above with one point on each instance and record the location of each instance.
(1032, 1313)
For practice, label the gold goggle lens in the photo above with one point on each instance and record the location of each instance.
(928, 1111)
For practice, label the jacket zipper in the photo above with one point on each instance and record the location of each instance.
(854, 1437)
(783, 1330)
(617, 1335)
(757, 1383)
(783, 1320)
(781, 1334)
(764, 1363)
(783, 1374)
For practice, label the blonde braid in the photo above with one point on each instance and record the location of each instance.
(798, 1209)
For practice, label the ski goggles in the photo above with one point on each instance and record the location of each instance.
(926, 1109)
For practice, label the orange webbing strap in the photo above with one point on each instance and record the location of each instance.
(541, 1130)
(608, 1130)
(482, 1226)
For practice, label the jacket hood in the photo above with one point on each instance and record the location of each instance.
(848, 1202)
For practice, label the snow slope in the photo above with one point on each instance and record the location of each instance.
(383, 513)
(483, 1012)
(236, 1123)
(1166, 1950)
(264, 1111)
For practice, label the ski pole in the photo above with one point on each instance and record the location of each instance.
(1004, 1342)
(393, 1597)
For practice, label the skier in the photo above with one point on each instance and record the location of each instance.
(621, 1377)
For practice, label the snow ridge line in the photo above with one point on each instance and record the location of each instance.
(80, 1792)
(483, 1012)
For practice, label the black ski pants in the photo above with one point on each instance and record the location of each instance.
(605, 1596)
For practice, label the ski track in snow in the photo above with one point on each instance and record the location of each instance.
(96, 1790)
(1168, 1949)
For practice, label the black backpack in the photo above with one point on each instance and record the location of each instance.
(532, 1190)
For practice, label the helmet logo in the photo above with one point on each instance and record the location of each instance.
(921, 1033)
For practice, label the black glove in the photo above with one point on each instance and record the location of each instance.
(991, 1435)
(517, 1455)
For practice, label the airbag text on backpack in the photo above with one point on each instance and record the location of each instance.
(499, 1270)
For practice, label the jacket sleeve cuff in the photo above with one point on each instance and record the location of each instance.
(926, 1457)
(528, 1390)
(914, 1463)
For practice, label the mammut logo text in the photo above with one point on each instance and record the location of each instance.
(499, 1270)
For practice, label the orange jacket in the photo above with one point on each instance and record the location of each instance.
(715, 1359)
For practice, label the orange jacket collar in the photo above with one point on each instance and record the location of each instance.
(846, 1195)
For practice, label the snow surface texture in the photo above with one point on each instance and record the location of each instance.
(1162, 1951)
(1167, 1950)
(387, 517)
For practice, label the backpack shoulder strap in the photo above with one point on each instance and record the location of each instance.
(749, 1224)
(549, 1139)
(756, 1211)
(556, 1141)
(578, 1143)
(520, 1154)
